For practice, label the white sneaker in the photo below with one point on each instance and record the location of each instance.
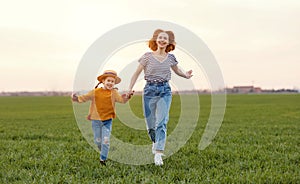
(157, 159)
(153, 148)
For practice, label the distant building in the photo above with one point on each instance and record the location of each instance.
(257, 90)
(245, 89)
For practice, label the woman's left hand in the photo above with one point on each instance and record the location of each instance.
(189, 74)
(127, 96)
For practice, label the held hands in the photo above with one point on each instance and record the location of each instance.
(127, 96)
(188, 74)
(130, 94)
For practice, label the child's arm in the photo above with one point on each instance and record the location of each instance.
(83, 98)
(121, 98)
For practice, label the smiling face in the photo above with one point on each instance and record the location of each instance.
(109, 83)
(162, 40)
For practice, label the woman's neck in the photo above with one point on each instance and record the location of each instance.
(160, 51)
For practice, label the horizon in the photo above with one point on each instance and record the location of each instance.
(140, 90)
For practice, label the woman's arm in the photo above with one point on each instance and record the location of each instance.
(186, 75)
(134, 77)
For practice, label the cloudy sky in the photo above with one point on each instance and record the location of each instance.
(254, 42)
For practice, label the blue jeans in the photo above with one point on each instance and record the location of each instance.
(157, 98)
(102, 130)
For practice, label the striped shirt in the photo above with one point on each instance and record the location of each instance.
(156, 70)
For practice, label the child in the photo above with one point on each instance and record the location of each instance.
(102, 109)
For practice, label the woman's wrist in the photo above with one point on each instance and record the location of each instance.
(185, 75)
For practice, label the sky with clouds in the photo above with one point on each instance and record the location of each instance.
(254, 42)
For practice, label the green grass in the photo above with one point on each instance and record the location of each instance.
(259, 142)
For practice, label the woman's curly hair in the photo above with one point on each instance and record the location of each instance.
(152, 42)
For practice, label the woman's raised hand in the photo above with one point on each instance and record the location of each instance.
(188, 74)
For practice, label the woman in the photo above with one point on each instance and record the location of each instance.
(157, 95)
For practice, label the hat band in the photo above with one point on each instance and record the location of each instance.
(110, 73)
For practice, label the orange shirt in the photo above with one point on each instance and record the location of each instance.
(103, 103)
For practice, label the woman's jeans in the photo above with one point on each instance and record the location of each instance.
(102, 130)
(157, 98)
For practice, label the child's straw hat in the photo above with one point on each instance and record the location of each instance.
(109, 73)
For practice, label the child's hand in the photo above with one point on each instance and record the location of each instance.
(130, 94)
(127, 96)
(74, 97)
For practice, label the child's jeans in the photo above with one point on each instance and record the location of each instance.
(102, 130)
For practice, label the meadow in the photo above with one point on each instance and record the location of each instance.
(258, 142)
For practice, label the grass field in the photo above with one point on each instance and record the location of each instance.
(259, 142)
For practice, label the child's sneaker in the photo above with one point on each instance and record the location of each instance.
(102, 162)
(157, 159)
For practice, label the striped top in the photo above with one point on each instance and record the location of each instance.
(156, 70)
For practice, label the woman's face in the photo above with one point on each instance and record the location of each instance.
(162, 40)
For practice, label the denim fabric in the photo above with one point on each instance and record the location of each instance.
(102, 130)
(157, 98)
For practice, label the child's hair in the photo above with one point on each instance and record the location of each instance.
(152, 42)
(97, 85)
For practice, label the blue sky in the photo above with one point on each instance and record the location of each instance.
(254, 42)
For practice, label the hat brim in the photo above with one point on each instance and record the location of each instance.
(103, 76)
